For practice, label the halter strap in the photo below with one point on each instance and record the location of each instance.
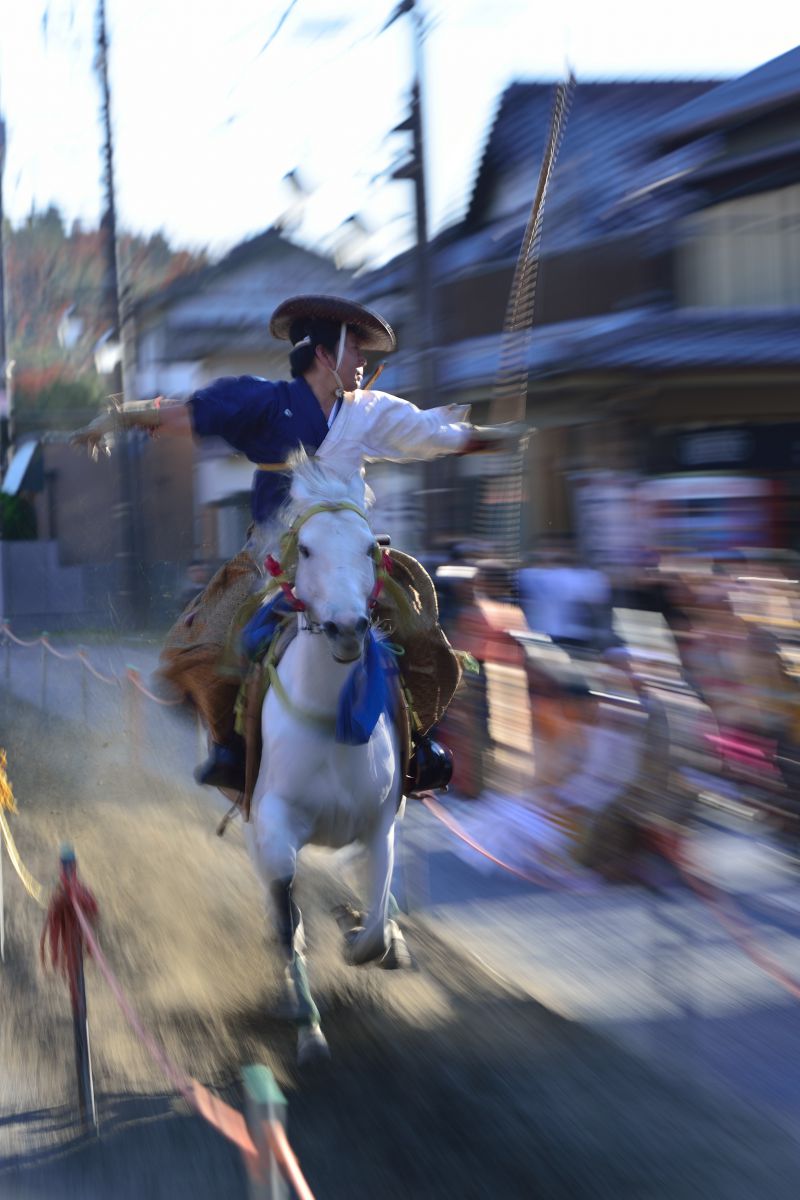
(289, 540)
(325, 506)
(339, 357)
(323, 724)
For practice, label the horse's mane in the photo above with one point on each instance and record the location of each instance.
(315, 481)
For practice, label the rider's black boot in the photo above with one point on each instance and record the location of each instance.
(225, 766)
(430, 767)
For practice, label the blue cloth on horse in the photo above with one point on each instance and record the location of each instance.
(261, 628)
(264, 421)
(366, 694)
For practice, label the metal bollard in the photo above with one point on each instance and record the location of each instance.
(8, 660)
(264, 1103)
(84, 690)
(2, 909)
(80, 1016)
(134, 716)
(44, 672)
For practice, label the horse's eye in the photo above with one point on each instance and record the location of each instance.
(304, 551)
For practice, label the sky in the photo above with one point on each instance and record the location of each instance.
(211, 110)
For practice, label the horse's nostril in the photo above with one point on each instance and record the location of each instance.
(330, 628)
(362, 624)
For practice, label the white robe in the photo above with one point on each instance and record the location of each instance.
(375, 427)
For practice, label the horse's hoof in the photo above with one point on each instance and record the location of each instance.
(312, 1047)
(398, 956)
(352, 946)
(358, 951)
(347, 917)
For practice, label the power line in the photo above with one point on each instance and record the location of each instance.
(277, 28)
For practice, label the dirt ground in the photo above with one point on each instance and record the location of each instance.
(446, 1080)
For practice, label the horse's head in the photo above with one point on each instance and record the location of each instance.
(336, 553)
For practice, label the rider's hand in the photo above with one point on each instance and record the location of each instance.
(93, 436)
(507, 436)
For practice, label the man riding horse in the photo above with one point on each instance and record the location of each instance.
(324, 410)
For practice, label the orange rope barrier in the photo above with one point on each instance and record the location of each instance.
(542, 880)
(731, 920)
(58, 653)
(728, 916)
(133, 675)
(285, 1157)
(6, 629)
(93, 671)
(225, 1119)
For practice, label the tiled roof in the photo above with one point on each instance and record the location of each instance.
(608, 141)
(605, 180)
(768, 87)
(268, 244)
(641, 340)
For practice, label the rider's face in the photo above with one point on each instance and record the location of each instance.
(352, 359)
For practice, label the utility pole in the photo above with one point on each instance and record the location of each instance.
(426, 333)
(414, 170)
(6, 409)
(133, 600)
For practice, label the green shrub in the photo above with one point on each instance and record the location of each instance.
(17, 519)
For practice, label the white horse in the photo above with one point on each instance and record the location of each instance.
(312, 789)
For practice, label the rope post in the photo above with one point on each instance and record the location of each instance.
(134, 715)
(80, 1016)
(84, 687)
(44, 670)
(2, 909)
(265, 1104)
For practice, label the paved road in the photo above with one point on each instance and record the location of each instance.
(658, 973)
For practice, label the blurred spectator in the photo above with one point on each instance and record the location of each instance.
(568, 602)
(489, 618)
(483, 619)
(596, 757)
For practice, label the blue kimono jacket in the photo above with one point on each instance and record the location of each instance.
(265, 422)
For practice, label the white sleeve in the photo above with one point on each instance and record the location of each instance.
(396, 430)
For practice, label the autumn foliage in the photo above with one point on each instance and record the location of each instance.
(58, 300)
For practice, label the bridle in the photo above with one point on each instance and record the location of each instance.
(380, 557)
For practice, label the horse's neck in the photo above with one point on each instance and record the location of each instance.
(312, 677)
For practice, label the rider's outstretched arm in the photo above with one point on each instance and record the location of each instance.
(157, 416)
(397, 430)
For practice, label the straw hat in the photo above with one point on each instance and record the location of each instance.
(373, 332)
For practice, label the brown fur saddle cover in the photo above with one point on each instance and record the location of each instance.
(192, 655)
(408, 613)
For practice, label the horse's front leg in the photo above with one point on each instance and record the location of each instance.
(277, 853)
(379, 939)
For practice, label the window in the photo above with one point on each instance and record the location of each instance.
(742, 254)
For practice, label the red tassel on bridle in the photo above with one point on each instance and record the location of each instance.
(279, 575)
(384, 567)
(62, 933)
